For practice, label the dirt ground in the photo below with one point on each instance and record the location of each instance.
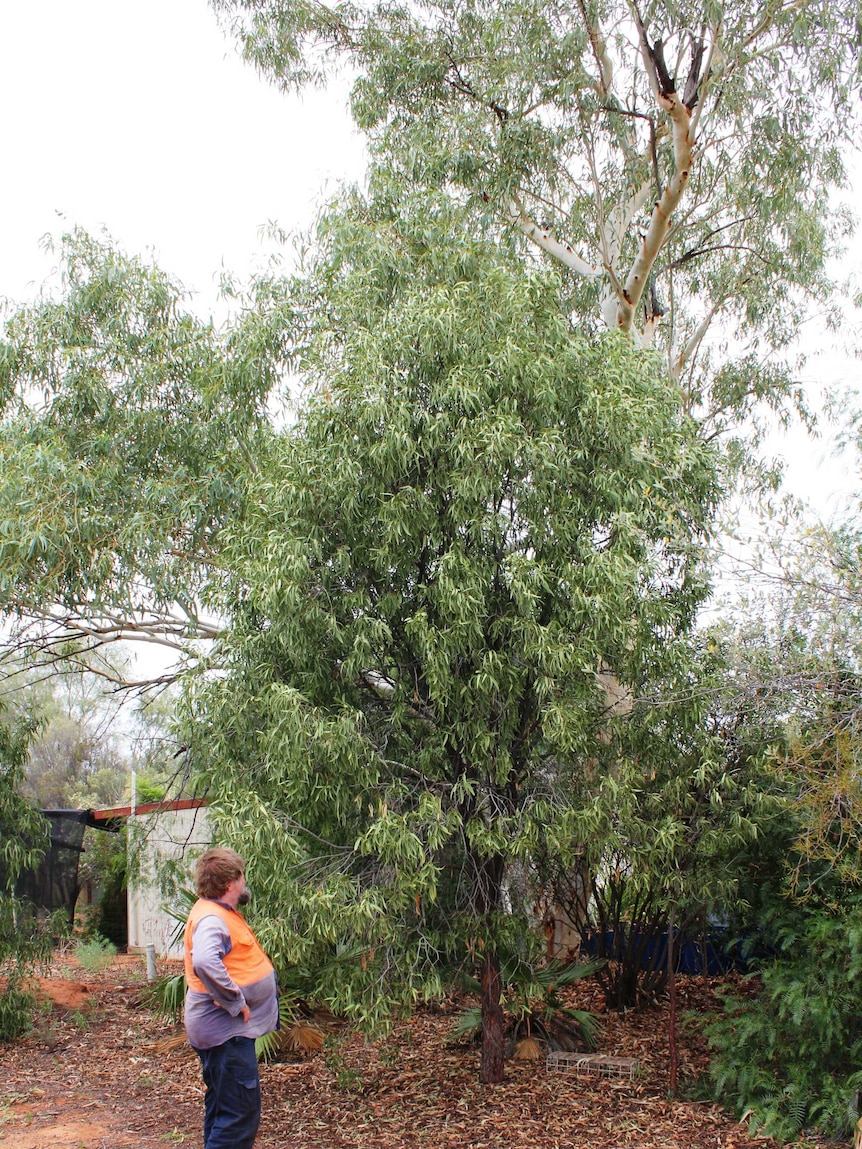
(99, 1070)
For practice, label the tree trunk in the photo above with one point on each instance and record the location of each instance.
(493, 1030)
(671, 1024)
(488, 875)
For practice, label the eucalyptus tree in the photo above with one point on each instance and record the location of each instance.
(677, 159)
(127, 427)
(476, 509)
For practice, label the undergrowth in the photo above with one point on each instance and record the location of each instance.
(790, 1056)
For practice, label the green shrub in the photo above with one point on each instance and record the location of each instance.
(16, 1009)
(25, 939)
(538, 1018)
(790, 1056)
(105, 865)
(95, 954)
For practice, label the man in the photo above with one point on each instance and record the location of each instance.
(231, 999)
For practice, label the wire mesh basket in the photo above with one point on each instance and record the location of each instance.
(592, 1064)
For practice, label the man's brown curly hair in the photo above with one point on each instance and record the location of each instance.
(216, 869)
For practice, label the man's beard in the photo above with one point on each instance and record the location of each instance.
(244, 898)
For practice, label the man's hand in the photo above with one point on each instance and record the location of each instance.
(245, 1012)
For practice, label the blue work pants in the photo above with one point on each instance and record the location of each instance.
(232, 1101)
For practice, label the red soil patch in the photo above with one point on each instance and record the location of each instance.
(62, 992)
(59, 991)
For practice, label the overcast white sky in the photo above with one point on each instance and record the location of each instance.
(141, 118)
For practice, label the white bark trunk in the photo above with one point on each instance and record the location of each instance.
(547, 241)
(660, 222)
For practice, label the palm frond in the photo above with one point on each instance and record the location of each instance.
(528, 1049)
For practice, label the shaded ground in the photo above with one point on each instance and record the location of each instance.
(100, 1070)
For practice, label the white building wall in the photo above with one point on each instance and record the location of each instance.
(175, 836)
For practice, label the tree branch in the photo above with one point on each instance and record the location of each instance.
(546, 240)
(599, 48)
(694, 342)
(659, 224)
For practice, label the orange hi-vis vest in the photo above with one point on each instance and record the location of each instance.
(245, 962)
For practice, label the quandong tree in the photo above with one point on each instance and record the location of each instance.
(668, 158)
(475, 508)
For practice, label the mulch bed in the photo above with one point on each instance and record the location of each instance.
(111, 1063)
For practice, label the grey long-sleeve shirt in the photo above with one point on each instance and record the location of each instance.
(213, 1017)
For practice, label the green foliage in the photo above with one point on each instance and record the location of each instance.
(23, 831)
(16, 1009)
(70, 765)
(481, 506)
(166, 997)
(475, 509)
(669, 829)
(267, 1046)
(104, 859)
(531, 995)
(788, 1054)
(105, 864)
(24, 940)
(149, 791)
(296, 1033)
(788, 1051)
(546, 122)
(793, 646)
(77, 758)
(95, 954)
(127, 428)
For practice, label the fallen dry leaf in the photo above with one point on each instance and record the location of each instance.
(414, 1090)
